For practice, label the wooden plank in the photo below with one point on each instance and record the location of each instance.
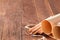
(12, 20)
(2, 13)
(29, 17)
(29, 12)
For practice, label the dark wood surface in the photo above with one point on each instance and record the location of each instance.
(15, 14)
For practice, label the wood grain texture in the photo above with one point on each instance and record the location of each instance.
(29, 17)
(43, 7)
(10, 24)
(15, 14)
(55, 6)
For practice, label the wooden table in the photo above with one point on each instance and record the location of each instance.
(15, 14)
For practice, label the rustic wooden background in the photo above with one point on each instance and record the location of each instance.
(15, 14)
